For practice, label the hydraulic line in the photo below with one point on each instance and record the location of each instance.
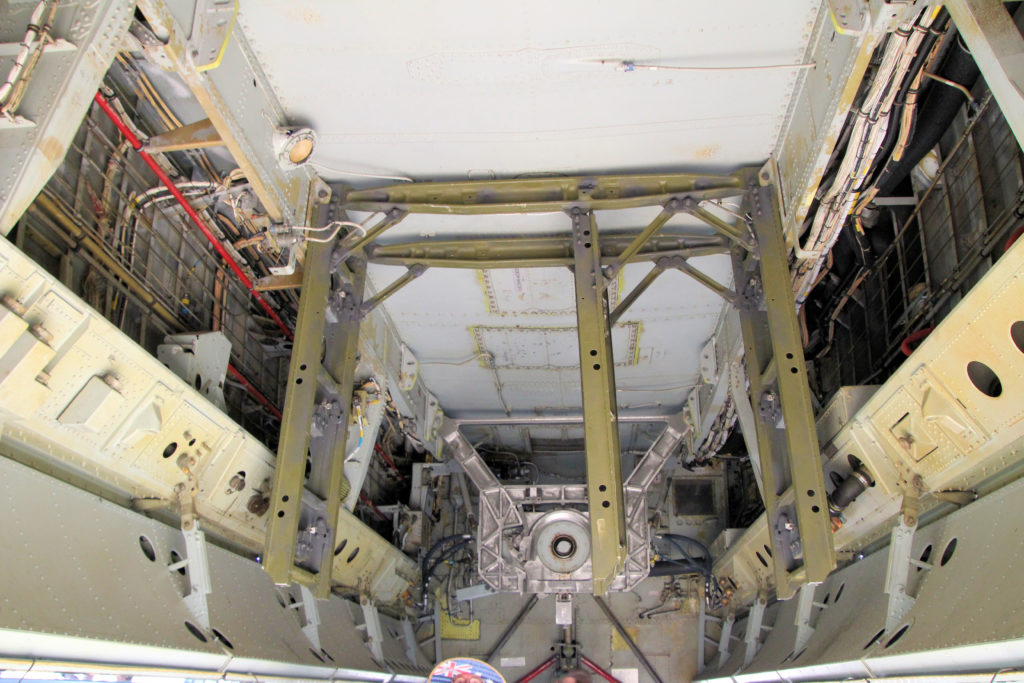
(254, 392)
(425, 565)
(192, 214)
(52, 210)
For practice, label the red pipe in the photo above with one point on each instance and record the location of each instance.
(386, 458)
(541, 668)
(366, 499)
(1013, 238)
(254, 391)
(906, 347)
(232, 264)
(590, 664)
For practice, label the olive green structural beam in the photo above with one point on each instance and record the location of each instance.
(671, 208)
(534, 252)
(680, 263)
(634, 294)
(600, 409)
(293, 443)
(802, 543)
(305, 392)
(407, 277)
(543, 195)
(357, 242)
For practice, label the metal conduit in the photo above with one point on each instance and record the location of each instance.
(199, 223)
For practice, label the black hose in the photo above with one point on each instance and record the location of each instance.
(674, 568)
(678, 539)
(938, 110)
(938, 28)
(434, 548)
(442, 557)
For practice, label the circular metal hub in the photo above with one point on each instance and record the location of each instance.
(561, 541)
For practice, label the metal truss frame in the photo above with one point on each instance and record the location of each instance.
(758, 246)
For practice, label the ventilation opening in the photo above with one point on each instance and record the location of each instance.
(896, 636)
(147, 548)
(984, 379)
(1017, 335)
(195, 631)
(947, 554)
(875, 638)
(220, 637)
(175, 559)
(925, 555)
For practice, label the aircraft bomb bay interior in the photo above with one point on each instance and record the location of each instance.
(649, 341)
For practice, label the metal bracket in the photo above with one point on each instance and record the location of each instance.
(211, 28)
(897, 573)
(725, 639)
(310, 617)
(563, 609)
(752, 637)
(197, 565)
(193, 136)
(804, 606)
(373, 629)
(199, 358)
(849, 17)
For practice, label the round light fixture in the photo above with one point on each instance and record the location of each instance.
(294, 146)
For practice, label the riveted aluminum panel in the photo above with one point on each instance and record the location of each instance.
(447, 89)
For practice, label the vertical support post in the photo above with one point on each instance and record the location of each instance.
(600, 410)
(340, 363)
(998, 48)
(786, 435)
(289, 473)
(745, 416)
(290, 469)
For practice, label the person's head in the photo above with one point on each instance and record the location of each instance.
(576, 676)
